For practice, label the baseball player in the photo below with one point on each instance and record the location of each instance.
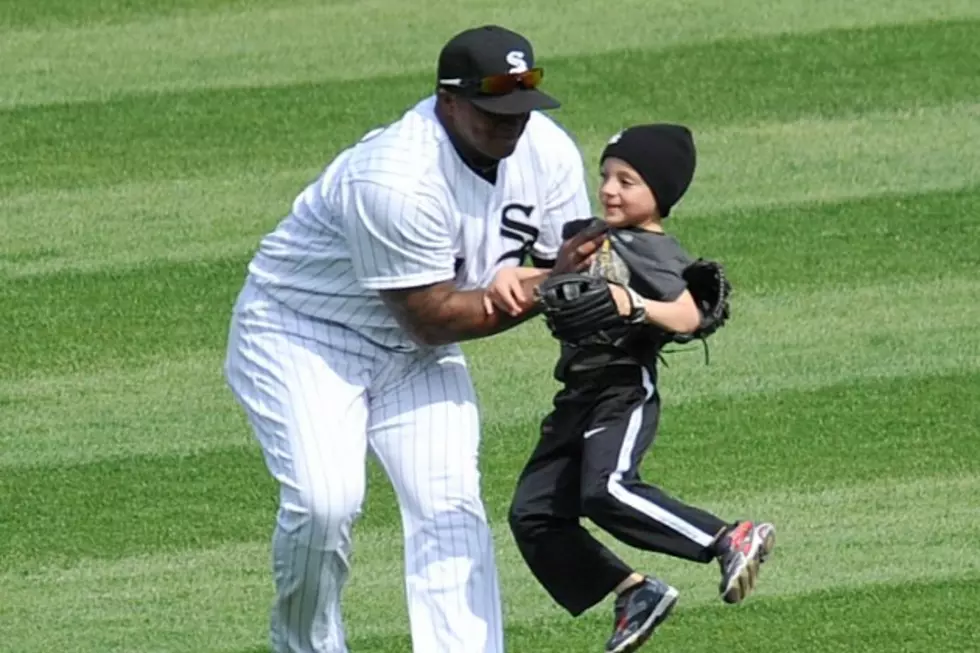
(642, 291)
(344, 338)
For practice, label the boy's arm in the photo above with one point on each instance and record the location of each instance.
(532, 276)
(658, 288)
(514, 289)
(680, 315)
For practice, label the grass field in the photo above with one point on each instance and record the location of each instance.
(145, 147)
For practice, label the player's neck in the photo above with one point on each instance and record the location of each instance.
(480, 164)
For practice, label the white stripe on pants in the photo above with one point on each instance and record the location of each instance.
(637, 502)
(317, 397)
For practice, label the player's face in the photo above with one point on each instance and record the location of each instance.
(626, 199)
(494, 136)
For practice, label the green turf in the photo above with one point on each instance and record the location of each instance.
(920, 524)
(186, 501)
(209, 132)
(279, 43)
(65, 322)
(145, 147)
(45, 13)
(918, 618)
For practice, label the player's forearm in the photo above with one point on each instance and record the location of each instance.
(464, 316)
(443, 315)
(459, 317)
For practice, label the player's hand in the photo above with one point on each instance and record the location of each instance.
(577, 252)
(623, 304)
(507, 293)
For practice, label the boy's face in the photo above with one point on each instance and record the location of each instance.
(626, 199)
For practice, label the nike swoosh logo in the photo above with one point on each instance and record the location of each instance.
(588, 434)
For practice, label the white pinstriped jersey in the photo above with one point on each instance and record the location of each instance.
(400, 209)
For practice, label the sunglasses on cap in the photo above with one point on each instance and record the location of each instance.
(499, 84)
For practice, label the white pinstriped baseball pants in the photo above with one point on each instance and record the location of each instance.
(318, 397)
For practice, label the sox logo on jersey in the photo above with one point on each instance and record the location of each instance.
(522, 232)
(515, 229)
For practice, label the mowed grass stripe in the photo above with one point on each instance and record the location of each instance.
(261, 130)
(751, 176)
(780, 442)
(86, 229)
(180, 405)
(883, 619)
(73, 321)
(823, 160)
(874, 537)
(309, 42)
(55, 15)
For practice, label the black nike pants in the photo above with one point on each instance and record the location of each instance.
(585, 465)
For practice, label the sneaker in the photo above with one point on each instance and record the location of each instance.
(637, 613)
(746, 546)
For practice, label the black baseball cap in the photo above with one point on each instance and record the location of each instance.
(484, 52)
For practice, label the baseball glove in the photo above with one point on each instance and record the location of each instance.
(711, 290)
(579, 309)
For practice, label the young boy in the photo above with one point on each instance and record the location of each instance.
(605, 417)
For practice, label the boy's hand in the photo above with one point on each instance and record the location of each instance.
(507, 292)
(622, 299)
